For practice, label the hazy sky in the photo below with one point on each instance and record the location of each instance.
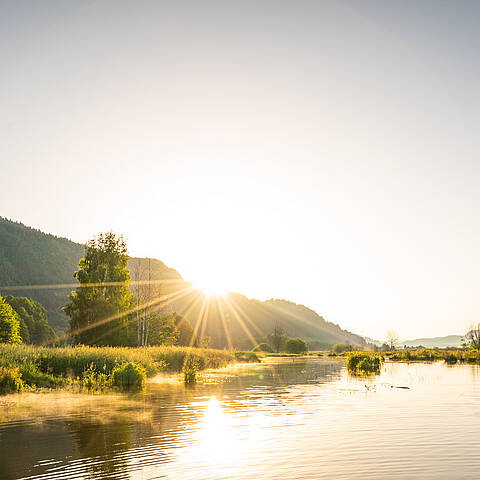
(323, 152)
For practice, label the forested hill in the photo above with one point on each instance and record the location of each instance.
(31, 257)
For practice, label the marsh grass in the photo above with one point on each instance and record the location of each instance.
(94, 367)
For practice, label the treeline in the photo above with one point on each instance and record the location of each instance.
(23, 320)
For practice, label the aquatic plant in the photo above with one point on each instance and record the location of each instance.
(129, 376)
(189, 371)
(364, 363)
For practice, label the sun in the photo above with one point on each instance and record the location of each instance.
(211, 289)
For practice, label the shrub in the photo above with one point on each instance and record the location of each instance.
(129, 376)
(10, 380)
(296, 345)
(263, 347)
(32, 377)
(246, 357)
(364, 363)
(189, 371)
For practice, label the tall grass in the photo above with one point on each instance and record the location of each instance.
(73, 361)
(95, 367)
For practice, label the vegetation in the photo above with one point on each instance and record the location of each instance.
(34, 327)
(30, 257)
(9, 324)
(364, 363)
(263, 347)
(472, 338)
(98, 309)
(98, 367)
(189, 371)
(345, 347)
(296, 345)
(129, 376)
(10, 380)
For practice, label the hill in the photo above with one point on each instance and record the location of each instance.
(31, 257)
(441, 342)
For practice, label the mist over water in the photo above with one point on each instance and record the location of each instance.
(290, 418)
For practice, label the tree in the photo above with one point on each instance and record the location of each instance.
(98, 309)
(9, 324)
(472, 338)
(163, 329)
(34, 327)
(392, 339)
(296, 345)
(277, 338)
(186, 335)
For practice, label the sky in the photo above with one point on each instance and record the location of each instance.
(325, 152)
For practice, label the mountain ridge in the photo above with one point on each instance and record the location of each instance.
(29, 256)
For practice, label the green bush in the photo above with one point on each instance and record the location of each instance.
(10, 380)
(189, 371)
(263, 347)
(32, 377)
(246, 357)
(364, 363)
(129, 376)
(296, 345)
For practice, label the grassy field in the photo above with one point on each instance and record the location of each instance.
(24, 367)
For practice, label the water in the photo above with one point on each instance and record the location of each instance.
(292, 419)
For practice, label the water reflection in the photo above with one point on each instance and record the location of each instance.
(295, 419)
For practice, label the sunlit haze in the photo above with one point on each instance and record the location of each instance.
(321, 152)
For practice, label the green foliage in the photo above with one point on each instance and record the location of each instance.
(190, 368)
(296, 345)
(34, 327)
(263, 347)
(277, 338)
(129, 376)
(10, 380)
(186, 336)
(163, 329)
(34, 378)
(342, 347)
(246, 357)
(98, 308)
(9, 324)
(364, 363)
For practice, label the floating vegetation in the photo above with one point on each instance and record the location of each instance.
(362, 363)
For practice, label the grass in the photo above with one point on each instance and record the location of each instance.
(102, 367)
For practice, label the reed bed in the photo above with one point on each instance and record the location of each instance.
(53, 367)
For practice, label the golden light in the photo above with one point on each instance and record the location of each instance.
(211, 287)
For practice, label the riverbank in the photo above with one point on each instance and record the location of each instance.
(27, 368)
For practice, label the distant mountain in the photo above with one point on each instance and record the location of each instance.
(441, 342)
(31, 257)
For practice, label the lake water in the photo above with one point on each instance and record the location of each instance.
(291, 419)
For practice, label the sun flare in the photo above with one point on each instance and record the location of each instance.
(211, 288)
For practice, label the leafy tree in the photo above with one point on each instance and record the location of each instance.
(34, 327)
(263, 347)
(392, 339)
(9, 324)
(472, 338)
(163, 330)
(98, 309)
(277, 338)
(296, 345)
(185, 331)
